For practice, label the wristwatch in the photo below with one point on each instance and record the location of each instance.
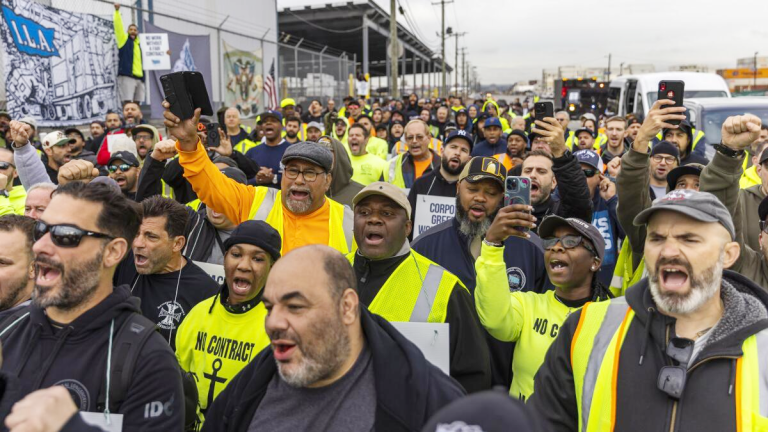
(727, 151)
(492, 244)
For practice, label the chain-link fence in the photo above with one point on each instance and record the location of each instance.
(308, 74)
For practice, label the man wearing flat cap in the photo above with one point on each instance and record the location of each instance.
(232, 322)
(400, 284)
(299, 211)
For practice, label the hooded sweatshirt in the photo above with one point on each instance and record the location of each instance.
(343, 138)
(408, 388)
(38, 353)
(343, 188)
(708, 402)
(504, 122)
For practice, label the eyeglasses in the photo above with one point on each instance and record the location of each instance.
(64, 235)
(568, 242)
(418, 138)
(668, 159)
(6, 165)
(293, 174)
(123, 167)
(589, 173)
(142, 138)
(672, 378)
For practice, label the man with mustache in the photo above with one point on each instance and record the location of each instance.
(77, 148)
(406, 168)
(442, 182)
(232, 321)
(145, 136)
(299, 211)
(17, 272)
(391, 279)
(686, 344)
(168, 284)
(269, 154)
(367, 167)
(332, 364)
(59, 346)
(123, 168)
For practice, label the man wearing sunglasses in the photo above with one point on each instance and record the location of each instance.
(123, 168)
(685, 349)
(12, 197)
(602, 191)
(17, 271)
(63, 338)
(574, 250)
(299, 211)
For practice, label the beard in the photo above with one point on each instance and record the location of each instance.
(445, 163)
(78, 284)
(291, 134)
(298, 207)
(322, 355)
(12, 291)
(469, 228)
(703, 287)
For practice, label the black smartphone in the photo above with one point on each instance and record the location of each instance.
(186, 91)
(214, 139)
(543, 110)
(674, 90)
(517, 190)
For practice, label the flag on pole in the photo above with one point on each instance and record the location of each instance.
(269, 88)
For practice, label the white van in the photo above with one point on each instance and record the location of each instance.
(637, 93)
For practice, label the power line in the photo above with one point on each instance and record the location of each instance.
(323, 28)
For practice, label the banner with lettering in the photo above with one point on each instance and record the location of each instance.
(61, 66)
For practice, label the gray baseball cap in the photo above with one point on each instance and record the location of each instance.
(701, 206)
(550, 223)
(316, 125)
(310, 152)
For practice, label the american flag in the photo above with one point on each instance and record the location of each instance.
(269, 88)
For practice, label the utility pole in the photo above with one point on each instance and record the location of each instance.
(621, 68)
(608, 72)
(457, 35)
(464, 71)
(393, 50)
(442, 4)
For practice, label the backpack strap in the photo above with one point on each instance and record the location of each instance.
(126, 347)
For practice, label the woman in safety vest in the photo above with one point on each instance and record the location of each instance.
(574, 250)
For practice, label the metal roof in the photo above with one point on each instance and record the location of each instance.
(340, 26)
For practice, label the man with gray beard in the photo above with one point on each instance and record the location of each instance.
(57, 351)
(689, 314)
(332, 365)
(455, 244)
(17, 276)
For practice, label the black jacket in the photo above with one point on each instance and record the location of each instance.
(201, 235)
(470, 362)
(409, 389)
(708, 401)
(573, 200)
(36, 355)
(432, 183)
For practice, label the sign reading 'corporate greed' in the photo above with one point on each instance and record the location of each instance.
(431, 211)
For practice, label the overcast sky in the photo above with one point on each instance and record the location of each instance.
(512, 40)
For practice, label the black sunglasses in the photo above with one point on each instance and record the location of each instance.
(6, 165)
(590, 172)
(123, 167)
(66, 236)
(568, 242)
(672, 378)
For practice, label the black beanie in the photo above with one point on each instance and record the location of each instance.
(256, 233)
(666, 147)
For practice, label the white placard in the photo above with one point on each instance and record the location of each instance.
(430, 211)
(216, 271)
(154, 51)
(433, 339)
(114, 424)
(111, 139)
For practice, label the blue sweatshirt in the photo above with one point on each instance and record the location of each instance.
(604, 218)
(270, 157)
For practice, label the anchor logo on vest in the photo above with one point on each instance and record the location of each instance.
(171, 313)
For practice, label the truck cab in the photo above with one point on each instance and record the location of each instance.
(708, 114)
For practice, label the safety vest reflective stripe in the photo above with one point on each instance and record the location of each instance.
(267, 206)
(194, 204)
(167, 190)
(418, 290)
(395, 173)
(697, 136)
(624, 275)
(571, 140)
(595, 352)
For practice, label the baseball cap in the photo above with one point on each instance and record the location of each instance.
(30, 121)
(74, 130)
(235, 174)
(588, 116)
(590, 158)
(666, 147)
(701, 206)
(56, 138)
(310, 152)
(578, 131)
(270, 113)
(762, 209)
(387, 190)
(287, 102)
(486, 411)
(5, 114)
(763, 156)
(145, 128)
(256, 233)
(462, 135)
(217, 158)
(315, 125)
(690, 169)
(550, 223)
(124, 156)
(480, 168)
(493, 121)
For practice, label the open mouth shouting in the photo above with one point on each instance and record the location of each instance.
(241, 286)
(557, 266)
(141, 261)
(299, 194)
(47, 272)
(283, 349)
(673, 278)
(477, 212)
(373, 237)
(120, 180)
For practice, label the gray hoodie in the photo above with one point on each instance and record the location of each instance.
(343, 188)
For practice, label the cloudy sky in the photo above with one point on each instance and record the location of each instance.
(512, 40)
